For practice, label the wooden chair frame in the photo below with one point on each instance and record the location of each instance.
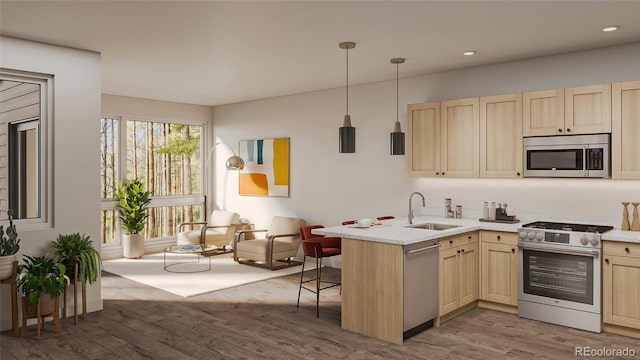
(270, 263)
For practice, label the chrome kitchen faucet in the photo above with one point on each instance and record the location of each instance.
(411, 210)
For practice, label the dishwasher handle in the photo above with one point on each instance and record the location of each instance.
(409, 252)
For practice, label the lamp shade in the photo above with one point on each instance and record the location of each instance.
(235, 163)
(397, 140)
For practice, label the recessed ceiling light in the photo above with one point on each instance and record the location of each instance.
(611, 28)
(469, 53)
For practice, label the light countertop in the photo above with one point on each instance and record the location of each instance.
(397, 231)
(624, 236)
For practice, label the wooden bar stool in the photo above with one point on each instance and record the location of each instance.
(14, 298)
(75, 281)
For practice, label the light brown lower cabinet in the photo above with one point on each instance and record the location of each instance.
(458, 275)
(499, 270)
(621, 288)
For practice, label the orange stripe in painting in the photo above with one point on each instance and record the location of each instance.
(281, 161)
(253, 184)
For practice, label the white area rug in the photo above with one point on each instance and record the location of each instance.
(224, 273)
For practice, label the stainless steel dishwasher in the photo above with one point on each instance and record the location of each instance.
(420, 286)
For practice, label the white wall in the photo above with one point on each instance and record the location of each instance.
(76, 161)
(328, 187)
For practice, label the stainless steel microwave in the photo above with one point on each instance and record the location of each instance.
(567, 156)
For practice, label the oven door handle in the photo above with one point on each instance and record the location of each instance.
(593, 253)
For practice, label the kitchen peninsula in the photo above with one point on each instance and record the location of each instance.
(380, 280)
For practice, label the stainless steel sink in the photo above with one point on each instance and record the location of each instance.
(433, 226)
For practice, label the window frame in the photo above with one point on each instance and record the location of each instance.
(44, 220)
(156, 201)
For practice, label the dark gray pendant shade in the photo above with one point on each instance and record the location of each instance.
(347, 135)
(397, 140)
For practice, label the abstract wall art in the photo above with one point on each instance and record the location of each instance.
(266, 167)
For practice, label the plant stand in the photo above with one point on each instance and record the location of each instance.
(14, 298)
(45, 308)
(75, 282)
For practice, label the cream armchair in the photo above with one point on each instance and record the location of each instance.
(214, 235)
(280, 243)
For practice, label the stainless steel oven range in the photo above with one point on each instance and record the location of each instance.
(559, 273)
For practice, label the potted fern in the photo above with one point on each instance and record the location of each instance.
(132, 211)
(9, 246)
(72, 249)
(41, 279)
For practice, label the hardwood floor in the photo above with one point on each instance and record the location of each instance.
(260, 321)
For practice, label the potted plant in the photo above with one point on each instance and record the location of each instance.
(132, 211)
(78, 249)
(9, 246)
(42, 279)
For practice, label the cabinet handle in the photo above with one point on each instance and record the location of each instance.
(626, 250)
(437, 173)
(568, 130)
(513, 250)
(606, 261)
(443, 173)
(469, 237)
(462, 250)
(498, 236)
(518, 174)
(450, 242)
(422, 249)
(559, 130)
(458, 251)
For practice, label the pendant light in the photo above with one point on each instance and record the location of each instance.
(397, 136)
(347, 132)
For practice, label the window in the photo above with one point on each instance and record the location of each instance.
(25, 117)
(164, 155)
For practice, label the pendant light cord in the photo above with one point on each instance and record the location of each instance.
(347, 81)
(397, 93)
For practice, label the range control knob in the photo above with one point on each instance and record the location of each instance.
(594, 241)
(522, 235)
(540, 236)
(584, 240)
(531, 235)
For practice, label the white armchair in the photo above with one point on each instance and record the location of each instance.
(215, 236)
(276, 250)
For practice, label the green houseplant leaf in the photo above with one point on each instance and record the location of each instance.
(133, 202)
(39, 275)
(76, 248)
(9, 244)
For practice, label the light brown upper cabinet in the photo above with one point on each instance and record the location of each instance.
(460, 129)
(587, 109)
(543, 112)
(423, 150)
(501, 136)
(576, 110)
(625, 142)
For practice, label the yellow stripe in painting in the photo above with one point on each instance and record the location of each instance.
(253, 184)
(281, 161)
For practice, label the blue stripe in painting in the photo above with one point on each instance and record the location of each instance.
(250, 144)
(260, 145)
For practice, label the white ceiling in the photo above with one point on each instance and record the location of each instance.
(214, 53)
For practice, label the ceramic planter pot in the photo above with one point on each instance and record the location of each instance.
(6, 266)
(133, 246)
